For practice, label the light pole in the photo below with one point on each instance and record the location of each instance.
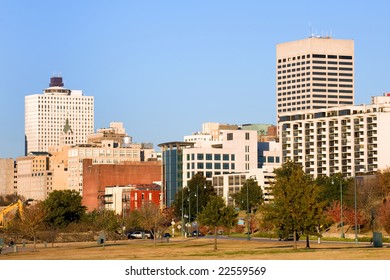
(247, 206)
(197, 210)
(341, 209)
(182, 212)
(355, 204)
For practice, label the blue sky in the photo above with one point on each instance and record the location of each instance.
(165, 67)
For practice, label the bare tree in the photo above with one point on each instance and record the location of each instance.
(153, 219)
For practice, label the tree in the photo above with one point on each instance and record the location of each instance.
(108, 221)
(192, 199)
(330, 188)
(31, 220)
(296, 208)
(153, 219)
(62, 208)
(384, 215)
(217, 214)
(249, 198)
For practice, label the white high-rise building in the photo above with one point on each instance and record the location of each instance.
(47, 113)
(314, 73)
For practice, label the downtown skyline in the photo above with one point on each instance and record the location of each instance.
(163, 69)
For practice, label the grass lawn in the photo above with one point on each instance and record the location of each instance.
(198, 249)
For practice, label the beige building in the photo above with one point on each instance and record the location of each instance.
(34, 176)
(344, 139)
(107, 146)
(8, 176)
(314, 73)
(47, 113)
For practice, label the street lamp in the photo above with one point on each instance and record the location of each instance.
(355, 202)
(341, 207)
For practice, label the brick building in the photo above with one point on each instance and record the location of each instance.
(96, 177)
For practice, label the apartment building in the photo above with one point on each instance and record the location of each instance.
(314, 73)
(345, 139)
(47, 113)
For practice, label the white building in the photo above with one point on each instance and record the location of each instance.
(314, 73)
(344, 139)
(47, 113)
(233, 151)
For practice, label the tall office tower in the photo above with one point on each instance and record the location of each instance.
(314, 73)
(46, 115)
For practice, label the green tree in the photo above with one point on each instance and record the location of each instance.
(296, 208)
(62, 208)
(249, 198)
(108, 221)
(192, 199)
(216, 214)
(330, 188)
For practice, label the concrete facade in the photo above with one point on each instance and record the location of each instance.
(214, 151)
(47, 113)
(314, 73)
(345, 139)
(34, 176)
(8, 177)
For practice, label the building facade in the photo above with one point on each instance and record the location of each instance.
(211, 152)
(34, 176)
(8, 176)
(47, 113)
(343, 140)
(96, 177)
(314, 73)
(125, 199)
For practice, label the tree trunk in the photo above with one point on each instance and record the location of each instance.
(307, 242)
(295, 240)
(35, 243)
(215, 239)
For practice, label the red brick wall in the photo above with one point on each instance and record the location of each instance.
(97, 177)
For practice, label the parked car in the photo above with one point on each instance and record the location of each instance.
(195, 233)
(138, 235)
(167, 235)
(289, 237)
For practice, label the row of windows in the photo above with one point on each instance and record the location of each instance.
(225, 157)
(209, 165)
(308, 96)
(329, 56)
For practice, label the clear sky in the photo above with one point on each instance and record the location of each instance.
(165, 67)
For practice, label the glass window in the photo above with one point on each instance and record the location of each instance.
(225, 156)
(217, 165)
(233, 157)
(217, 157)
(209, 165)
(226, 166)
(200, 165)
(200, 156)
(209, 157)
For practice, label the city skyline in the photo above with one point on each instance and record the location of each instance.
(146, 64)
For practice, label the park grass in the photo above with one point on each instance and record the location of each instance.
(199, 249)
